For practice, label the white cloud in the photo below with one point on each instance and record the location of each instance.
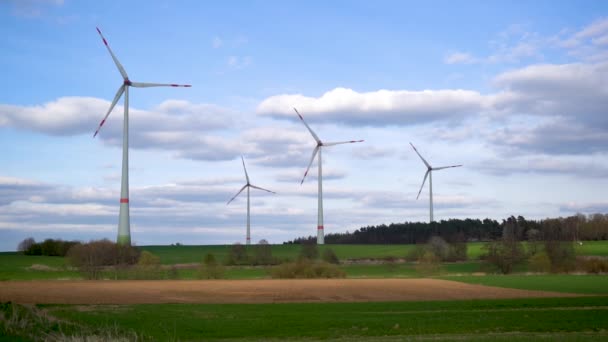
(460, 58)
(377, 108)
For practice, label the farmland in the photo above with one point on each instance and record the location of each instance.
(549, 319)
(382, 299)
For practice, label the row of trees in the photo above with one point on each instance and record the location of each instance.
(577, 227)
(48, 247)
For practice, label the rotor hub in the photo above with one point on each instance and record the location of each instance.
(127, 82)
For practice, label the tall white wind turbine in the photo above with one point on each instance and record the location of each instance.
(248, 185)
(318, 148)
(124, 230)
(429, 173)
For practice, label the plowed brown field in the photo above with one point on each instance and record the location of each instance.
(251, 291)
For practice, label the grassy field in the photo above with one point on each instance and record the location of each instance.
(550, 319)
(586, 284)
(190, 254)
(14, 266)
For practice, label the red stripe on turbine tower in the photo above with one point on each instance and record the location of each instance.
(124, 200)
(319, 227)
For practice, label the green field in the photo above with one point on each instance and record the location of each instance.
(190, 254)
(586, 284)
(550, 319)
(14, 266)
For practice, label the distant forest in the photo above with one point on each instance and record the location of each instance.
(578, 227)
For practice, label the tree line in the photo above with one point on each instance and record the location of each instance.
(577, 227)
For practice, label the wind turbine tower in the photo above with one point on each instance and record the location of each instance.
(318, 148)
(124, 227)
(429, 173)
(247, 185)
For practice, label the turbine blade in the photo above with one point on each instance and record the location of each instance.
(244, 168)
(116, 98)
(118, 65)
(424, 161)
(257, 187)
(148, 85)
(309, 129)
(342, 142)
(423, 181)
(445, 167)
(232, 199)
(314, 153)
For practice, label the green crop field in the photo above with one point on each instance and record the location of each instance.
(549, 319)
(587, 284)
(191, 254)
(15, 266)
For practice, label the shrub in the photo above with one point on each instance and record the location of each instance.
(305, 268)
(90, 258)
(25, 244)
(562, 255)
(210, 269)
(309, 251)
(147, 259)
(237, 255)
(540, 262)
(504, 254)
(439, 247)
(457, 252)
(330, 256)
(592, 265)
(263, 254)
(428, 264)
(48, 247)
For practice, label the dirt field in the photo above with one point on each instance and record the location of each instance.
(251, 291)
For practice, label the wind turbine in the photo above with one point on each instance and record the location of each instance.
(248, 185)
(124, 229)
(318, 148)
(429, 173)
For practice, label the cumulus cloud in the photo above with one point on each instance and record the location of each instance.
(543, 164)
(294, 176)
(377, 108)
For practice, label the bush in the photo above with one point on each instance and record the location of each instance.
(592, 265)
(330, 256)
(210, 269)
(504, 254)
(91, 258)
(147, 259)
(309, 251)
(48, 247)
(263, 254)
(439, 247)
(305, 268)
(562, 255)
(540, 262)
(416, 253)
(428, 264)
(25, 244)
(237, 255)
(457, 252)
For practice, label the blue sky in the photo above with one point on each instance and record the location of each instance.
(515, 91)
